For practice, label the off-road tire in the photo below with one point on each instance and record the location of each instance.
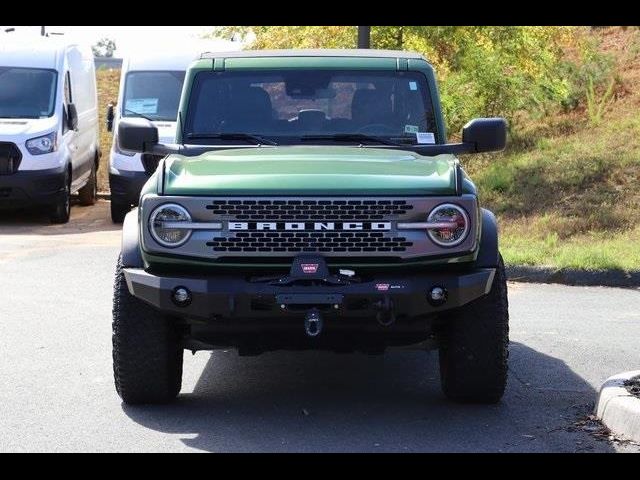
(61, 210)
(119, 210)
(88, 194)
(475, 347)
(147, 357)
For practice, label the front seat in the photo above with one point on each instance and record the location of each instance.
(250, 111)
(370, 107)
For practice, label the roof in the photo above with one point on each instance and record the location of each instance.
(39, 52)
(160, 61)
(161, 54)
(358, 53)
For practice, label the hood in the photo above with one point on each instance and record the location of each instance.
(166, 131)
(310, 170)
(19, 130)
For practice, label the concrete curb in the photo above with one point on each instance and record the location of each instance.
(618, 409)
(572, 276)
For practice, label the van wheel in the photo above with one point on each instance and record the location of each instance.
(119, 210)
(61, 210)
(88, 194)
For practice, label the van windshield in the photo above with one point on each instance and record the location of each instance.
(155, 95)
(27, 92)
(311, 106)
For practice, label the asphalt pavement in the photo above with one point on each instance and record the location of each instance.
(58, 394)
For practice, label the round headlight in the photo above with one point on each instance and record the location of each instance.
(164, 225)
(453, 228)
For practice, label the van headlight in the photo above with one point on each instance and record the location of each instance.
(164, 225)
(453, 225)
(41, 145)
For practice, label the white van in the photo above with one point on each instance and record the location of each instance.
(49, 141)
(150, 86)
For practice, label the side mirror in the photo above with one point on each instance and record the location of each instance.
(72, 117)
(110, 117)
(486, 134)
(136, 134)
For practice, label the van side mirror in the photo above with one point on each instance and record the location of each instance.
(486, 134)
(136, 135)
(110, 117)
(72, 116)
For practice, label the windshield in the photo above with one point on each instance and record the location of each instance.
(27, 92)
(155, 95)
(295, 106)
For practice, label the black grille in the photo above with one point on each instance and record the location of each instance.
(10, 158)
(309, 242)
(325, 210)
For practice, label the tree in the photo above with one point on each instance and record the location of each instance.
(104, 48)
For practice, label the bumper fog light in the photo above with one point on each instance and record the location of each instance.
(181, 296)
(437, 296)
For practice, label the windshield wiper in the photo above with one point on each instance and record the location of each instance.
(231, 136)
(126, 110)
(347, 137)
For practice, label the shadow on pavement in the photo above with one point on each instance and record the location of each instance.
(95, 218)
(317, 401)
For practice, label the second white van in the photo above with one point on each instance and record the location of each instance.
(150, 86)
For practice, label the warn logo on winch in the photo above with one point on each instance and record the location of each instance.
(309, 267)
(315, 226)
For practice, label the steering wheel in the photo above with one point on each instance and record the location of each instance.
(377, 128)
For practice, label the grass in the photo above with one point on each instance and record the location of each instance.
(570, 201)
(566, 190)
(108, 81)
(525, 243)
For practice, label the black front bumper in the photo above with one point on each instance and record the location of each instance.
(235, 297)
(126, 186)
(32, 188)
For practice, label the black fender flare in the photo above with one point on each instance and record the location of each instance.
(488, 253)
(130, 250)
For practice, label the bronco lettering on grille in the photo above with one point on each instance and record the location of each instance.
(302, 226)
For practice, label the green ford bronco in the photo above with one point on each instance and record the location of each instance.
(311, 201)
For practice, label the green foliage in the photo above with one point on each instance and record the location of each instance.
(104, 48)
(293, 36)
(589, 251)
(588, 66)
(596, 106)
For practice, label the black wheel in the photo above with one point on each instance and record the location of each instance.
(88, 194)
(475, 347)
(119, 210)
(147, 357)
(61, 210)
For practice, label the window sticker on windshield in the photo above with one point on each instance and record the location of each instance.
(411, 129)
(413, 86)
(142, 105)
(425, 137)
